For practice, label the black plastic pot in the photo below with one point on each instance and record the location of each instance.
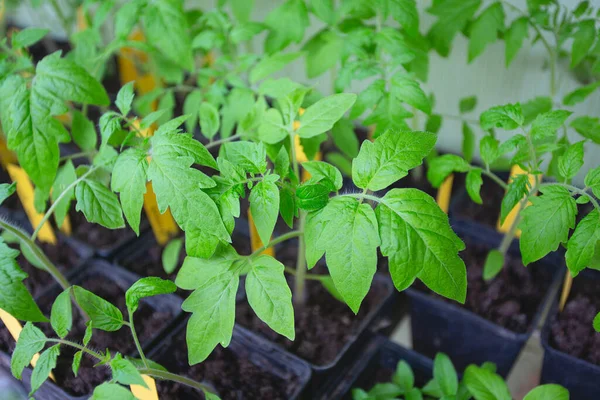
(20, 389)
(265, 356)
(579, 376)
(467, 338)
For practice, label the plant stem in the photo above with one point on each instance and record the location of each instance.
(77, 346)
(495, 178)
(314, 277)
(275, 241)
(362, 196)
(136, 340)
(221, 141)
(156, 373)
(78, 155)
(33, 247)
(574, 189)
(459, 118)
(301, 267)
(63, 19)
(57, 201)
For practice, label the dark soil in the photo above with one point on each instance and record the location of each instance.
(486, 213)
(572, 331)
(512, 298)
(95, 235)
(148, 323)
(324, 325)
(228, 371)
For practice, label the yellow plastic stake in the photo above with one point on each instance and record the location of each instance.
(371, 132)
(143, 393)
(444, 193)
(15, 328)
(82, 23)
(512, 215)
(6, 156)
(25, 193)
(564, 296)
(300, 155)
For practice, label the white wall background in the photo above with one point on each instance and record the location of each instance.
(450, 78)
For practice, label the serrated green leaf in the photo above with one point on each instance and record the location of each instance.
(322, 115)
(442, 166)
(493, 264)
(534, 107)
(452, 15)
(323, 52)
(473, 184)
(409, 91)
(485, 29)
(518, 187)
(445, 374)
(28, 37)
(580, 94)
(98, 204)
(209, 119)
(264, 206)
(286, 25)
(582, 244)
(124, 372)
(545, 125)
(406, 13)
(191, 107)
(389, 114)
(76, 362)
(83, 132)
(583, 39)
(588, 127)
(312, 197)
(592, 180)
(270, 296)
(418, 241)
(389, 158)
(7, 190)
(325, 173)
(112, 391)
(484, 384)
(43, 366)
(546, 223)
(272, 129)
(507, 117)
(14, 297)
(213, 308)
(146, 287)
(129, 179)
(367, 98)
(350, 240)
(126, 17)
(125, 98)
(271, 64)
(247, 155)
(102, 314)
(31, 341)
(61, 316)
(170, 255)
(514, 37)
(571, 161)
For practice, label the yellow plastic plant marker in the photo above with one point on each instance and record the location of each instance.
(25, 193)
(444, 193)
(300, 155)
(128, 71)
(14, 327)
(143, 393)
(510, 218)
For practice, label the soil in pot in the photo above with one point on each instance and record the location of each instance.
(148, 322)
(233, 376)
(94, 235)
(486, 213)
(572, 331)
(511, 299)
(324, 325)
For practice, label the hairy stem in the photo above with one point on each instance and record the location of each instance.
(221, 141)
(77, 346)
(57, 201)
(275, 241)
(78, 155)
(495, 178)
(136, 340)
(156, 373)
(301, 267)
(576, 190)
(314, 277)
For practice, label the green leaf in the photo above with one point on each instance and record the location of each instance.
(583, 40)
(545, 125)
(247, 155)
(453, 16)
(98, 204)
(287, 205)
(473, 184)
(313, 234)
(546, 223)
(582, 244)
(312, 197)
(126, 17)
(328, 284)
(414, 394)
(125, 373)
(286, 25)
(125, 98)
(103, 315)
(129, 179)
(518, 187)
(27, 37)
(408, 91)
(61, 316)
(191, 107)
(434, 123)
(418, 241)
(389, 158)
(485, 29)
(272, 129)
(245, 31)
(493, 264)
(514, 37)
(83, 132)
(442, 166)
(507, 117)
(548, 391)
(112, 391)
(344, 137)
(87, 336)
(170, 255)
(467, 104)
(367, 98)
(597, 322)
(445, 374)
(592, 180)
(209, 120)
(44, 365)
(587, 127)
(322, 115)
(146, 287)
(323, 52)
(166, 28)
(484, 384)
(532, 108)
(31, 341)
(270, 296)
(389, 114)
(571, 161)
(196, 271)
(264, 206)
(350, 241)
(7, 190)
(406, 13)
(385, 391)
(14, 297)
(580, 94)
(325, 173)
(76, 362)
(213, 308)
(271, 64)
(403, 376)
